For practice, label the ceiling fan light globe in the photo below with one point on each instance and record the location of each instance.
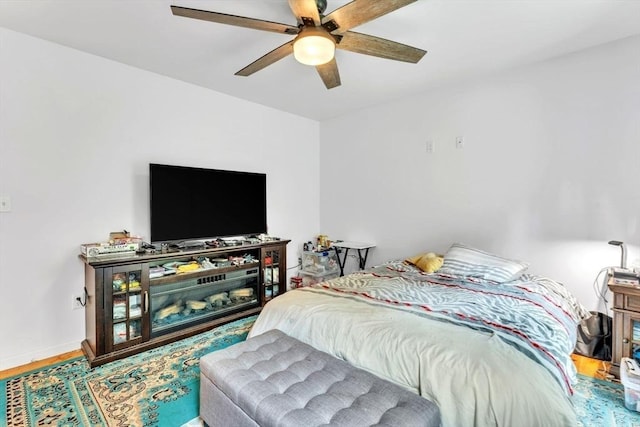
(314, 48)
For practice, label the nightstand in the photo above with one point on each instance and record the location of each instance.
(626, 324)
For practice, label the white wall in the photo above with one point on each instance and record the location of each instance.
(549, 171)
(77, 133)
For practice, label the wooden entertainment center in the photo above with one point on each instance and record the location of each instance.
(144, 301)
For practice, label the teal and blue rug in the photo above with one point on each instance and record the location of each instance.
(601, 404)
(160, 387)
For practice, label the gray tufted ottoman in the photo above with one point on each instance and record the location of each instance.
(275, 380)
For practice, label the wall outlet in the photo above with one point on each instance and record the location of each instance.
(77, 302)
(430, 146)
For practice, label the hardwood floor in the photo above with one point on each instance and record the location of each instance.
(18, 370)
(590, 367)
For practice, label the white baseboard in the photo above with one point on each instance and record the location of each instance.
(26, 358)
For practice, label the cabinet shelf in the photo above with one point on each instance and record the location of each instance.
(121, 320)
(203, 272)
(133, 291)
(124, 319)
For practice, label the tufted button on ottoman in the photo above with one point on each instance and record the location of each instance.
(275, 380)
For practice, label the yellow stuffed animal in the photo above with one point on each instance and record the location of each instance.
(429, 262)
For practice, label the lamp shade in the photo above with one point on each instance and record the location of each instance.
(314, 46)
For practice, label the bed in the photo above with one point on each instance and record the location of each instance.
(487, 342)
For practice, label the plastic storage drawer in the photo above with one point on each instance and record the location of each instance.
(309, 278)
(630, 378)
(320, 262)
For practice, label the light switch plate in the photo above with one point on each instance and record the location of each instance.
(5, 204)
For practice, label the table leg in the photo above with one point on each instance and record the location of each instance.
(342, 262)
(362, 261)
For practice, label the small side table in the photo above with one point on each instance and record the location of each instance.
(359, 246)
(626, 324)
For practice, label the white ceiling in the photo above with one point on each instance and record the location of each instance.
(463, 38)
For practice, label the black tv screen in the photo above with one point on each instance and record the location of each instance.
(190, 203)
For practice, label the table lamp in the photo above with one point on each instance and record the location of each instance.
(623, 258)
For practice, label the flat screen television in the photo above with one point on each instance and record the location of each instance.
(188, 203)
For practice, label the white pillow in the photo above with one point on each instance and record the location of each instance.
(461, 260)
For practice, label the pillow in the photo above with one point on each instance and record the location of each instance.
(429, 262)
(461, 260)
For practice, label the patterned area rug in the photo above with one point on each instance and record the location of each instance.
(159, 387)
(601, 404)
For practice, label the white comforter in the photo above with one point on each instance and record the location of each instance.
(475, 377)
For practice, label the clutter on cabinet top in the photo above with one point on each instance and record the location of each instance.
(199, 263)
(322, 243)
(120, 243)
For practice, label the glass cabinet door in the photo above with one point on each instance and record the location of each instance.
(635, 340)
(274, 280)
(125, 307)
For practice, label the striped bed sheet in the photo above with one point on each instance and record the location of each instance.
(488, 353)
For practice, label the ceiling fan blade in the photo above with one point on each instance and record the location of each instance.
(305, 9)
(329, 73)
(360, 11)
(238, 21)
(376, 46)
(268, 59)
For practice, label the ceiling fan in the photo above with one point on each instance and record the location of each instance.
(318, 35)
